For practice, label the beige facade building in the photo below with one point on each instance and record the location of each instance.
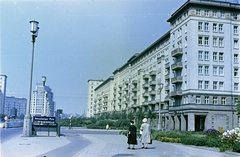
(92, 84)
(197, 61)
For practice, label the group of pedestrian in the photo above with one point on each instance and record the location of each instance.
(144, 133)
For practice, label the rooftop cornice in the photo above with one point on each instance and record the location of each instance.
(205, 3)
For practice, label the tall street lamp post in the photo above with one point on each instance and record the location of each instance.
(159, 108)
(27, 127)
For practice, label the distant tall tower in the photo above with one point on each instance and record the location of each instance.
(42, 103)
(3, 86)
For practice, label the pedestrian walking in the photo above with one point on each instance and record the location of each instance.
(132, 135)
(107, 127)
(145, 138)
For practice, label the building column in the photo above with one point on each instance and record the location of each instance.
(171, 122)
(191, 122)
(183, 123)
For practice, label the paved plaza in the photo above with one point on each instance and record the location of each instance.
(104, 145)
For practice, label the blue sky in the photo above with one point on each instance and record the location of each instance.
(77, 41)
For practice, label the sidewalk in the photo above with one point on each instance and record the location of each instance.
(31, 146)
(105, 145)
(116, 146)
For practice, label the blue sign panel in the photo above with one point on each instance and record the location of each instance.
(45, 119)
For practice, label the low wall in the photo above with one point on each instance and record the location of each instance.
(13, 124)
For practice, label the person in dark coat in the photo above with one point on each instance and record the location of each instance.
(132, 135)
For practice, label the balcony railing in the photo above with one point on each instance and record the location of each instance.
(152, 82)
(178, 65)
(167, 65)
(177, 79)
(145, 103)
(167, 87)
(177, 52)
(176, 93)
(146, 76)
(145, 94)
(134, 81)
(167, 76)
(152, 73)
(145, 85)
(134, 89)
(134, 97)
(152, 92)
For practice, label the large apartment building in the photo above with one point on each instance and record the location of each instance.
(15, 107)
(196, 61)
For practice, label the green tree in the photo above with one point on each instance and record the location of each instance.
(130, 116)
(139, 116)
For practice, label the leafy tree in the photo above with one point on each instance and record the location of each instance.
(139, 116)
(130, 116)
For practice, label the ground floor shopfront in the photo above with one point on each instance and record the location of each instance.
(198, 119)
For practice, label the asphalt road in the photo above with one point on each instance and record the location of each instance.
(7, 134)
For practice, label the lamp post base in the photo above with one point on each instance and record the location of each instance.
(27, 126)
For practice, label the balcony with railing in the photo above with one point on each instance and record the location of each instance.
(134, 89)
(177, 79)
(145, 94)
(145, 103)
(153, 73)
(145, 85)
(134, 97)
(153, 82)
(146, 76)
(152, 92)
(177, 52)
(134, 82)
(167, 76)
(167, 65)
(178, 65)
(176, 93)
(167, 87)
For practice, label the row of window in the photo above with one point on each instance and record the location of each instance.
(216, 41)
(214, 100)
(214, 13)
(216, 27)
(216, 56)
(204, 55)
(216, 85)
(218, 70)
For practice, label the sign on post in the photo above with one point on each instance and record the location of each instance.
(44, 119)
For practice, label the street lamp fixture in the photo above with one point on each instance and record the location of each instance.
(44, 80)
(27, 126)
(159, 107)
